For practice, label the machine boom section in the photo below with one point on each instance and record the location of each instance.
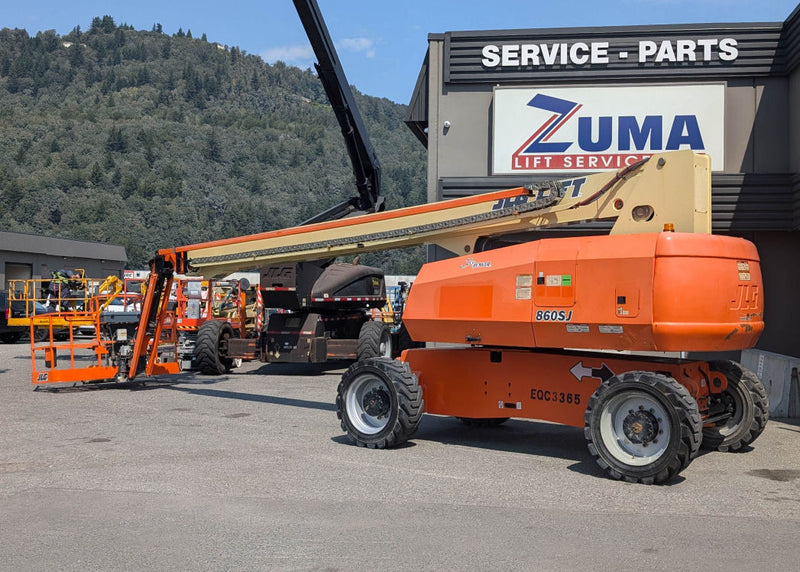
(670, 188)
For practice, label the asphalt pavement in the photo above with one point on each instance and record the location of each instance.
(251, 471)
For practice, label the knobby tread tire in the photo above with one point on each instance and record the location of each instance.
(369, 339)
(756, 410)
(676, 458)
(206, 348)
(408, 404)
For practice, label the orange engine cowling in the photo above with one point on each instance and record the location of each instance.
(640, 292)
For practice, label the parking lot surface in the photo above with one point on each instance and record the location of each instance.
(251, 471)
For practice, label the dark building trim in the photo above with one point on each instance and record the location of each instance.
(417, 116)
(790, 40)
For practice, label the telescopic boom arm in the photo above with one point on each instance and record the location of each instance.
(366, 167)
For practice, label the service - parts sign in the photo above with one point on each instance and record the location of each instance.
(589, 129)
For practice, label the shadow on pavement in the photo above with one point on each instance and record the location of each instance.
(220, 393)
(301, 369)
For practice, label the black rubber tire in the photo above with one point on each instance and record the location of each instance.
(10, 337)
(211, 336)
(483, 421)
(41, 334)
(374, 340)
(61, 335)
(747, 401)
(379, 403)
(621, 458)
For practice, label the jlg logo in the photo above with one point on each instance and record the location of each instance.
(746, 297)
(572, 189)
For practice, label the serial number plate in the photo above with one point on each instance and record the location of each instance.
(556, 396)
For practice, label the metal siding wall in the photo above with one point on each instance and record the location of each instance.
(770, 127)
(749, 202)
(740, 115)
(464, 146)
(790, 39)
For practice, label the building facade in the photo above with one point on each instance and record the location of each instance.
(27, 256)
(504, 108)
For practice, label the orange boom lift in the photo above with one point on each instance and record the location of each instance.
(630, 307)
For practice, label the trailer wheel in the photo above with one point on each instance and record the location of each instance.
(374, 340)
(379, 403)
(212, 338)
(642, 427)
(747, 403)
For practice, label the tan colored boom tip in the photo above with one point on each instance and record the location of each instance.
(669, 188)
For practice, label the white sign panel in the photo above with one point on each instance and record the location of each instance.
(589, 129)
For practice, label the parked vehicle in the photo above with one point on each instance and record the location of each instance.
(10, 334)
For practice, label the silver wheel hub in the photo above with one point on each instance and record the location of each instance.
(369, 404)
(635, 428)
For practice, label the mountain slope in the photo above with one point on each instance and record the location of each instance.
(149, 140)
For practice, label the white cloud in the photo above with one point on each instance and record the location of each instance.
(301, 56)
(363, 45)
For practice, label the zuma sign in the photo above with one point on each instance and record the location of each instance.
(589, 129)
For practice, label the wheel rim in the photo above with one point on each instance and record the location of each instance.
(369, 404)
(635, 428)
(385, 347)
(734, 404)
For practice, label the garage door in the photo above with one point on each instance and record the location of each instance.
(17, 271)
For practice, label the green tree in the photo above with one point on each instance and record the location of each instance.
(116, 140)
(96, 176)
(213, 149)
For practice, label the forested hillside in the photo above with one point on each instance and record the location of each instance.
(152, 140)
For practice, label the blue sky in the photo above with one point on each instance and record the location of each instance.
(381, 43)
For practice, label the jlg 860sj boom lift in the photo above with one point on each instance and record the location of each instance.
(513, 311)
